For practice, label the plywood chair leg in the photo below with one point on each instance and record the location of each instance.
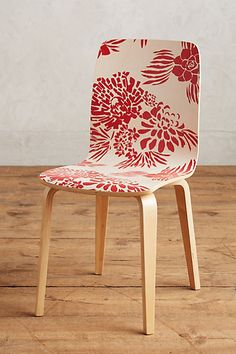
(44, 249)
(183, 197)
(148, 225)
(101, 225)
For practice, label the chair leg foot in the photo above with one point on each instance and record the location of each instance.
(183, 198)
(148, 226)
(44, 249)
(101, 225)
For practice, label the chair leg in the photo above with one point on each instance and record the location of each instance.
(183, 198)
(148, 226)
(101, 225)
(44, 249)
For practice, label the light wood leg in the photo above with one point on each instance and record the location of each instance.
(183, 198)
(44, 249)
(148, 225)
(101, 225)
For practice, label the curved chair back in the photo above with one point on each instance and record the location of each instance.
(144, 110)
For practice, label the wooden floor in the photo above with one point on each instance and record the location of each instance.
(86, 313)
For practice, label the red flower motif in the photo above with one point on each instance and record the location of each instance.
(187, 65)
(113, 184)
(169, 173)
(93, 180)
(160, 67)
(116, 100)
(110, 46)
(100, 143)
(142, 159)
(124, 139)
(192, 92)
(68, 177)
(164, 130)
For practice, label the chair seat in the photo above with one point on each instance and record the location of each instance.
(100, 177)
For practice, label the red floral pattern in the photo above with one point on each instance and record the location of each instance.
(124, 139)
(142, 159)
(100, 143)
(192, 92)
(68, 177)
(116, 100)
(114, 185)
(110, 46)
(160, 67)
(90, 180)
(132, 129)
(185, 67)
(174, 172)
(163, 129)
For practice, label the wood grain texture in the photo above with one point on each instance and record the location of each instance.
(44, 249)
(183, 198)
(88, 314)
(100, 231)
(148, 238)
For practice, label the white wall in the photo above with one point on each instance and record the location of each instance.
(47, 55)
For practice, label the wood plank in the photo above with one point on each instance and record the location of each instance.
(88, 320)
(71, 262)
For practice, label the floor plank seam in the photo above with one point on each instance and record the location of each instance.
(121, 286)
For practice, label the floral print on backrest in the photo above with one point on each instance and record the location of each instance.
(144, 109)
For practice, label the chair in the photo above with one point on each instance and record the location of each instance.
(143, 136)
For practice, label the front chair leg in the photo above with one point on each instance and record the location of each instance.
(148, 225)
(101, 225)
(183, 197)
(44, 249)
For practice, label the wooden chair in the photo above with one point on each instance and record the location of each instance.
(143, 136)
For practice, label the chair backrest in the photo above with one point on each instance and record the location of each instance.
(144, 110)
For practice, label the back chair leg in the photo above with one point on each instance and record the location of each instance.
(148, 225)
(44, 249)
(183, 198)
(101, 226)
